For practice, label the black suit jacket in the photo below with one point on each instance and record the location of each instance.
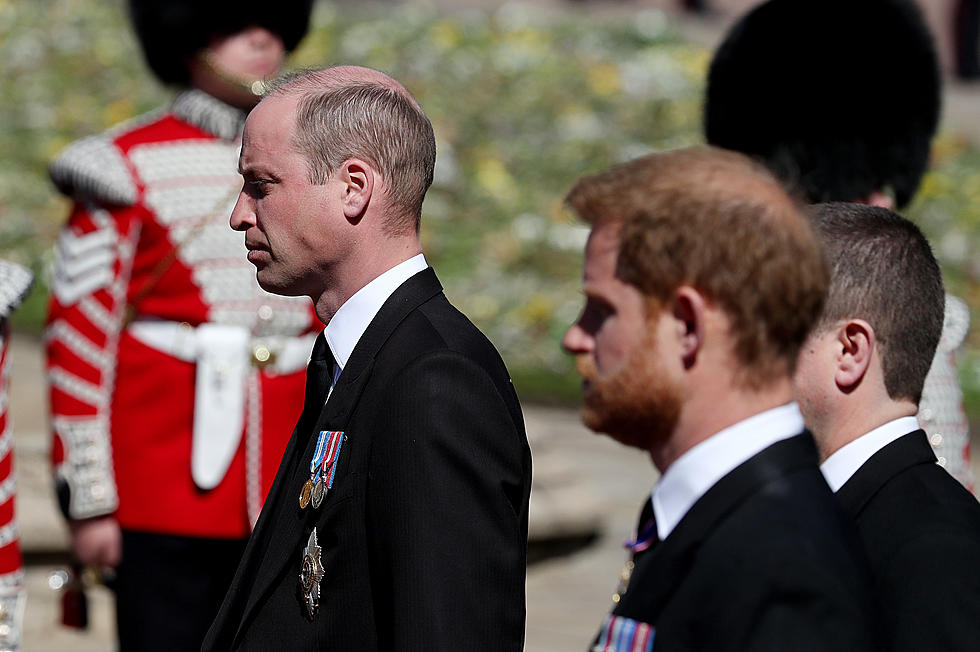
(424, 532)
(764, 560)
(921, 532)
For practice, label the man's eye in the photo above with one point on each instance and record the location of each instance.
(257, 187)
(594, 315)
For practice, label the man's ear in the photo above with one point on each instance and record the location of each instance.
(856, 340)
(689, 308)
(358, 178)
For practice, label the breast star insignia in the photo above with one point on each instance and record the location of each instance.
(310, 574)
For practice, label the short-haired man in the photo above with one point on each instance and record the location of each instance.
(841, 100)
(398, 518)
(858, 382)
(701, 280)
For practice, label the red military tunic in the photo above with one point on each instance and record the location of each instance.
(157, 323)
(14, 283)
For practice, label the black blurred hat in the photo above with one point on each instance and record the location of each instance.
(173, 31)
(839, 97)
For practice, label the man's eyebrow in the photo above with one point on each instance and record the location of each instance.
(246, 170)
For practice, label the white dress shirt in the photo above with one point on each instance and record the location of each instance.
(353, 318)
(839, 467)
(698, 469)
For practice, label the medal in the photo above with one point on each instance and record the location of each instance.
(328, 467)
(318, 493)
(322, 468)
(305, 493)
(310, 574)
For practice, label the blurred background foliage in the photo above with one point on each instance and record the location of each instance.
(523, 101)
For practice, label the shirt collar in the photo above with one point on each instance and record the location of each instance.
(839, 467)
(698, 469)
(353, 318)
(209, 113)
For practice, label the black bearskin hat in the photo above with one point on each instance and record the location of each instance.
(840, 98)
(173, 31)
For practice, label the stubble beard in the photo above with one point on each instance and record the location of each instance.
(637, 406)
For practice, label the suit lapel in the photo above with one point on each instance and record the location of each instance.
(906, 451)
(243, 584)
(284, 528)
(663, 568)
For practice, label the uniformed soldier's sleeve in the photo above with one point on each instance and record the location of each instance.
(446, 505)
(15, 281)
(89, 288)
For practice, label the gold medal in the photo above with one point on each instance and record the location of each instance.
(305, 493)
(318, 492)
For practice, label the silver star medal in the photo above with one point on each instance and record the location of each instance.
(310, 574)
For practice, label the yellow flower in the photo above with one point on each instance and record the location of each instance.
(971, 188)
(531, 39)
(947, 147)
(537, 311)
(54, 145)
(501, 247)
(493, 176)
(934, 184)
(117, 111)
(446, 34)
(483, 306)
(603, 79)
(560, 213)
(694, 61)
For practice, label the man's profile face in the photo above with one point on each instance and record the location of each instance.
(291, 225)
(814, 381)
(626, 390)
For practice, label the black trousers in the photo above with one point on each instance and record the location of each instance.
(169, 589)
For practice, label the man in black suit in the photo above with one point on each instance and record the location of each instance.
(701, 280)
(858, 381)
(398, 518)
(841, 100)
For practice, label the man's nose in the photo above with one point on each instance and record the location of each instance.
(576, 340)
(260, 37)
(243, 215)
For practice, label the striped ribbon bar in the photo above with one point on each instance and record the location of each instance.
(335, 438)
(321, 445)
(619, 634)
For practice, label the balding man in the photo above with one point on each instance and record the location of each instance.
(398, 518)
(701, 282)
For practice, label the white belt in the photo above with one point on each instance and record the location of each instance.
(223, 354)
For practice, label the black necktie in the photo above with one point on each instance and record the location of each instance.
(645, 539)
(319, 378)
(647, 536)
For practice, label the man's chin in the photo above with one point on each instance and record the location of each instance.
(628, 434)
(273, 285)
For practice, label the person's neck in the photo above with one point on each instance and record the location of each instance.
(370, 262)
(708, 412)
(852, 418)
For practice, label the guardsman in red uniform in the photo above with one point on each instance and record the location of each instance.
(175, 380)
(15, 281)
